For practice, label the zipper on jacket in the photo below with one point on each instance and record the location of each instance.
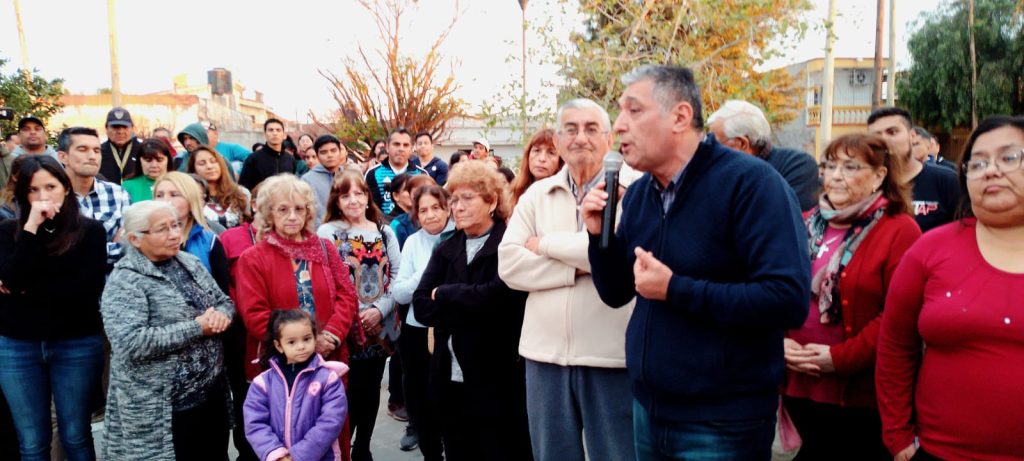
(288, 402)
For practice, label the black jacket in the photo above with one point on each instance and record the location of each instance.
(263, 164)
(108, 166)
(52, 297)
(484, 318)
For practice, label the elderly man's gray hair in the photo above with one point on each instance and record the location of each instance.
(672, 85)
(582, 104)
(136, 217)
(741, 118)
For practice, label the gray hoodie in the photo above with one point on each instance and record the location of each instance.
(320, 180)
(20, 150)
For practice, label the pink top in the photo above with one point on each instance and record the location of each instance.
(964, 395)
(829, 387)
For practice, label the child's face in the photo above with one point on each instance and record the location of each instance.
(296, 342)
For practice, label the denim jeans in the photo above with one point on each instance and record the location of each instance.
(739, 440)
(69, 371)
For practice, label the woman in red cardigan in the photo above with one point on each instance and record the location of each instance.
(951, 346)
(857, 236)
(292, 268)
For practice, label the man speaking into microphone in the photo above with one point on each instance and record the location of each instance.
(711, 244)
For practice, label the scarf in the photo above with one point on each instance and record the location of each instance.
(315, 250)
(861, 217)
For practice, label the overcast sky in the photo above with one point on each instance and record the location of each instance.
(276, 47)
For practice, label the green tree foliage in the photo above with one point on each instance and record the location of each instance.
(723, 41)
(937, 89)
(37, 96)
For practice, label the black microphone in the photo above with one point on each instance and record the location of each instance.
(612, 165)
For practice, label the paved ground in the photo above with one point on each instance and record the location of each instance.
(384, 444)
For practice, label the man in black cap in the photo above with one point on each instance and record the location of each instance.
(120, 148)
(32, 132)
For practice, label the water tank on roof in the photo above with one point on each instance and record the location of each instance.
(219, 80)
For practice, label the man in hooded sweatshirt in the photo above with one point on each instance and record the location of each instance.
(190, 138)
(332, 157)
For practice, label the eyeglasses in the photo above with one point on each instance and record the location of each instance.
(1006, 161)
(164, 230)
(463, 198)
(284, 211)
(592, 131)
(846, 169)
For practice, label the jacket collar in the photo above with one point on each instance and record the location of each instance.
(135, 261)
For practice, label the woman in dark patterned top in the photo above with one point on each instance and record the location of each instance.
(164, 315)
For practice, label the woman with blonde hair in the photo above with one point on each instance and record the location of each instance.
(228, 203)
(291, 268)
(182, 192)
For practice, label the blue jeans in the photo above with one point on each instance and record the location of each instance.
(740, 440)
(69, 370)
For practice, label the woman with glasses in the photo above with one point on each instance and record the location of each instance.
(950, 347)
(292, 268)
(356, 228)
(52, 266)
(164, 315)
(857, 236)
(477, 322)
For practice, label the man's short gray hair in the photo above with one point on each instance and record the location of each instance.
(583, 104)
(136, 217)
(672, 85)
(741, 118)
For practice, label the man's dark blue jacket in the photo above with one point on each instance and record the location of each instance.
(736, 245)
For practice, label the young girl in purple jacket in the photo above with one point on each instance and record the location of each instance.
(295, 409)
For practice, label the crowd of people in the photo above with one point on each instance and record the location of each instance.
(752, 303)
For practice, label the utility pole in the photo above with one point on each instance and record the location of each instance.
(876, 90)
(891, 97)
(522, 101)
(115, 72)
(25, 67)
(830, 68)
(974, 65)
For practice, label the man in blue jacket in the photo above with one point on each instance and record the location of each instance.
(711, 244)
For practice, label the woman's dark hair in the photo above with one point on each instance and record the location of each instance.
(278, 319)
(373, 150)
(456, 157)
(398, 183)
(343, 183)
(542, 138)
(289, 146)
(150, 149)
(432, 190)
(68, 223)
(875, 152)
(964, 209)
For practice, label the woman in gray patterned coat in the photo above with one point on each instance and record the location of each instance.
(163, 313)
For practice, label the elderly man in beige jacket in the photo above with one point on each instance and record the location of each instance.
(577, 387)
